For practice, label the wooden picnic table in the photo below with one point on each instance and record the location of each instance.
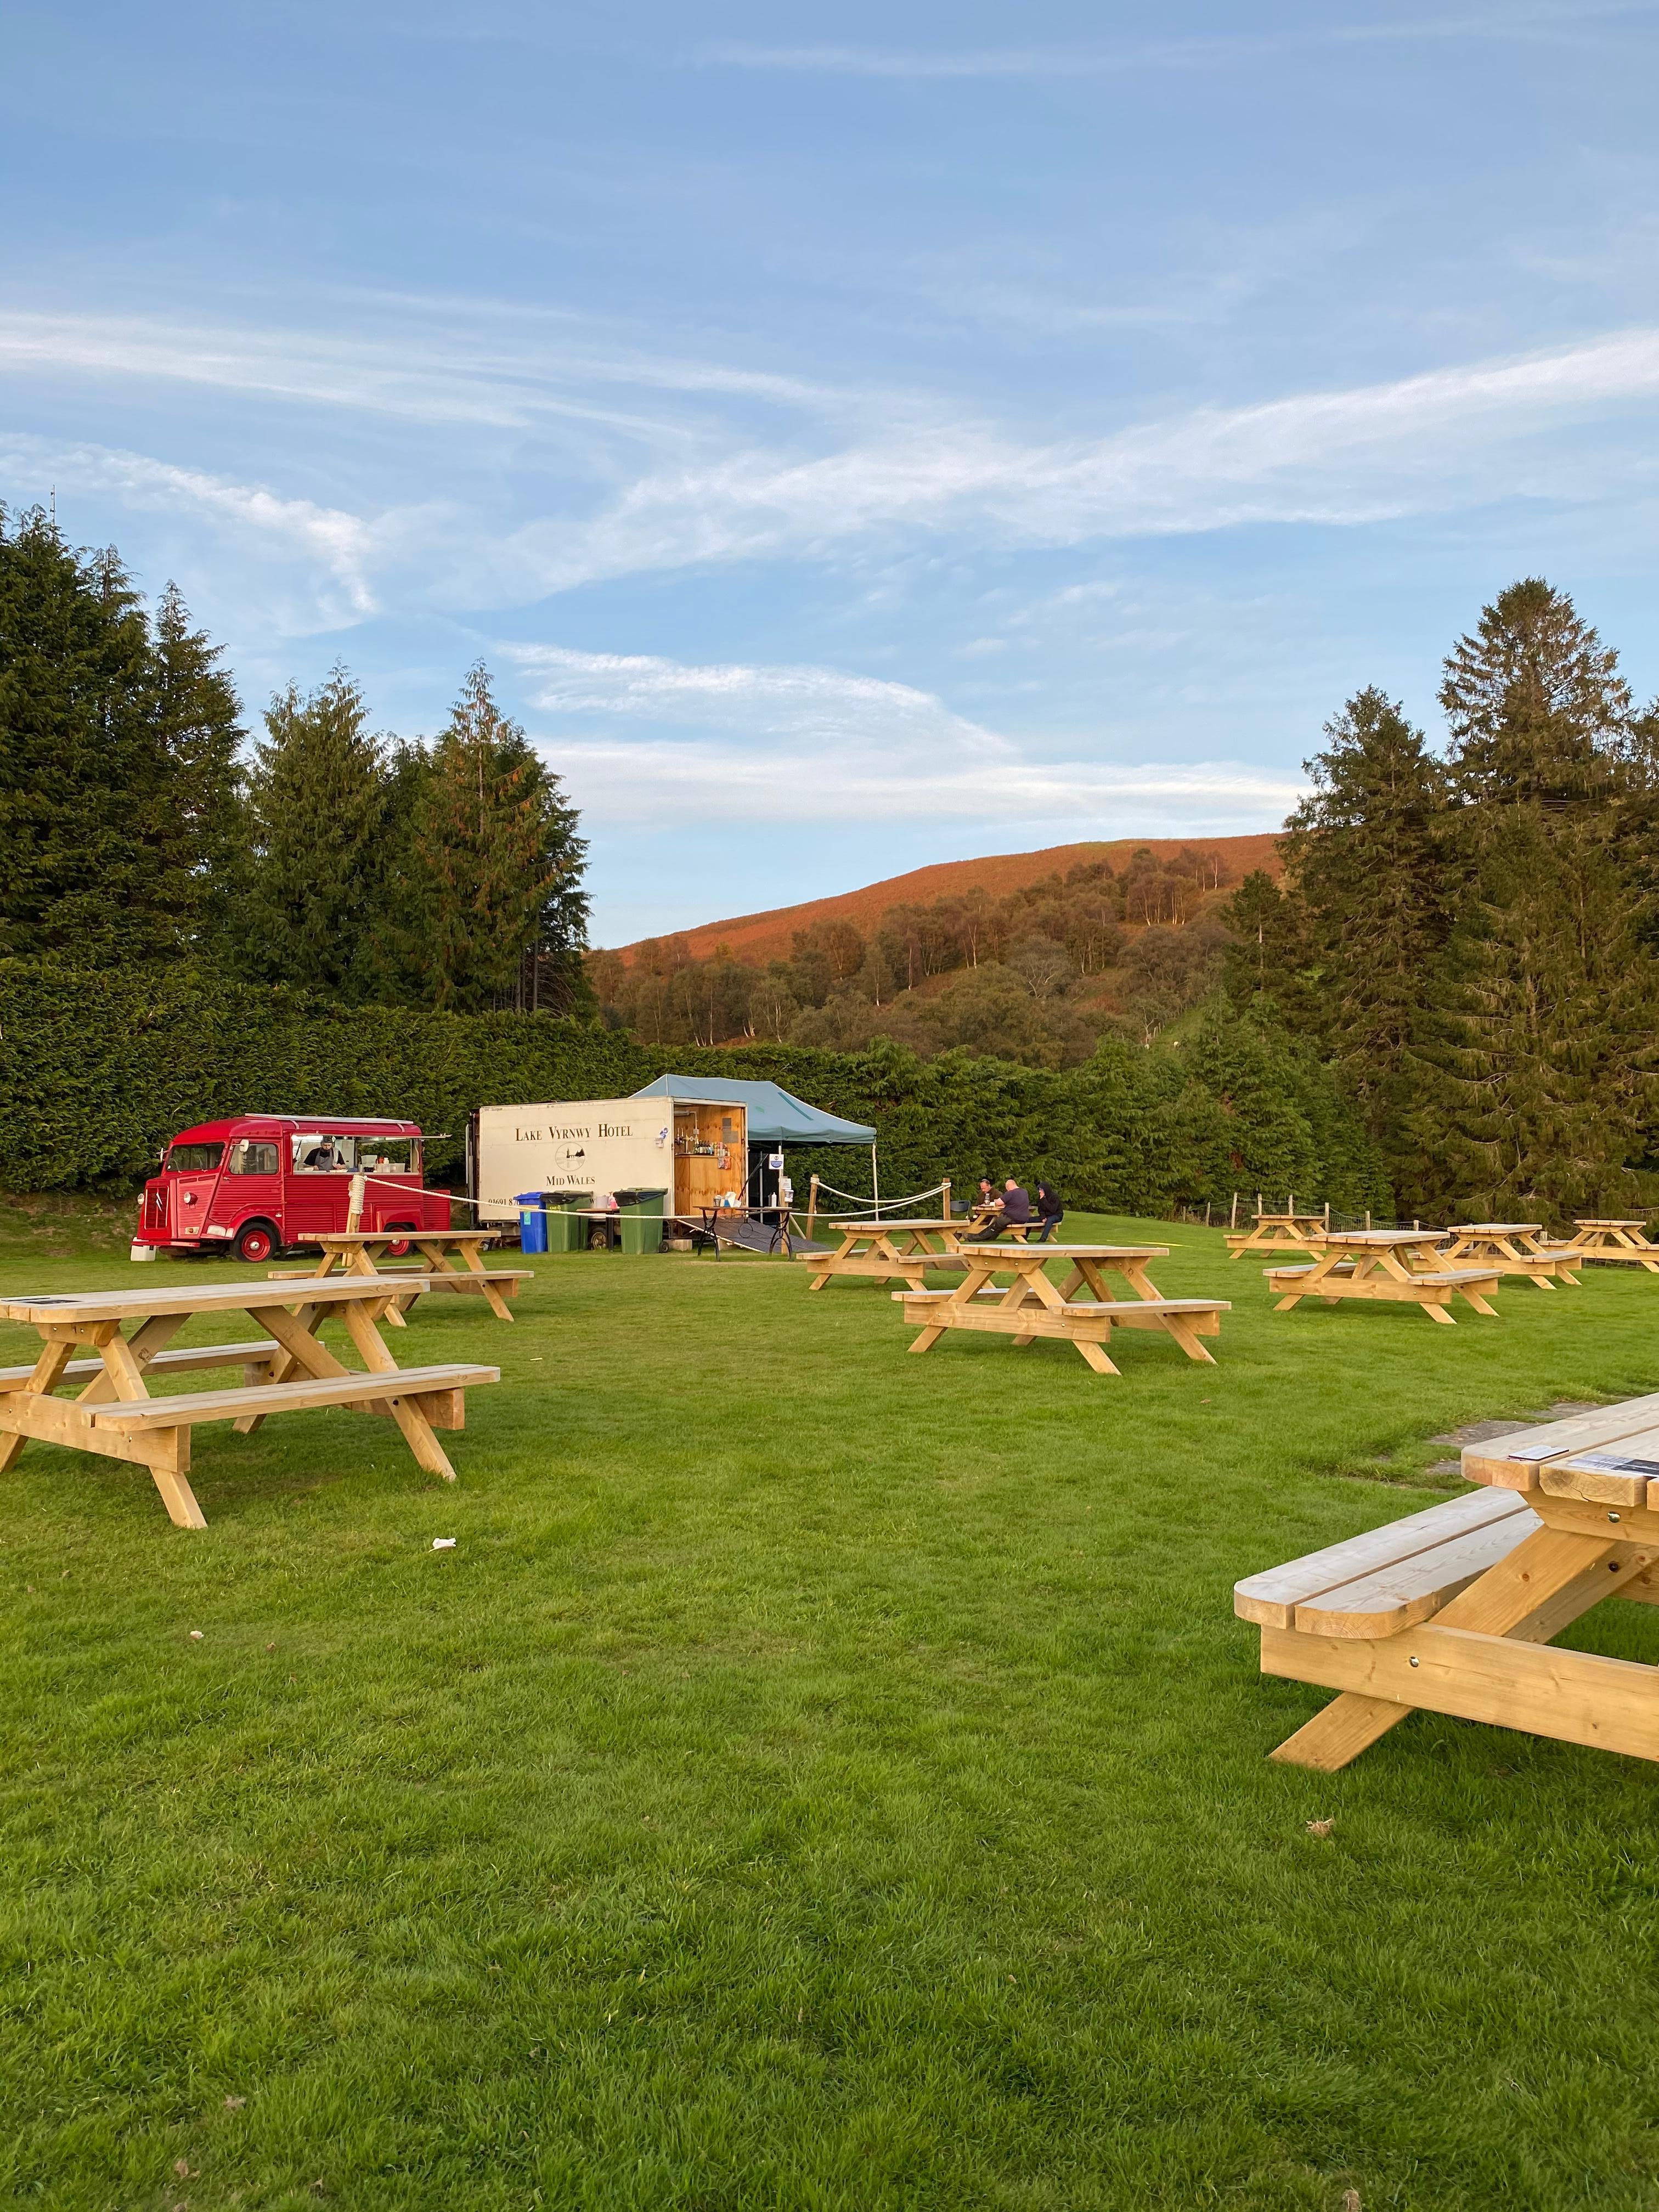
(1623, 1243)
(1453, 1610)
(1033, 1305)
(1379, 1264)
(1512, 1248)
(1278, 1232)
(360, 1251)
(881, 1251)
(288, 1369)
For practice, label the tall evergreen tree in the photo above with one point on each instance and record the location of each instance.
(1536, 1069)
(1264, 967)
(1365, 856)
(199, 724)
(504, 916)
(319, 803)
(88, 852)
(1535, 1059)
(1536, 704)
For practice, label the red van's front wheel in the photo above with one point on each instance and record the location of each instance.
(255, 1243)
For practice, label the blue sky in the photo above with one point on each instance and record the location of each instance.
(855, 438)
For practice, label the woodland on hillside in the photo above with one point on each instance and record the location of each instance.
(1036, 976)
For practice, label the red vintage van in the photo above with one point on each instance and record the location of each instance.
(262, 1181)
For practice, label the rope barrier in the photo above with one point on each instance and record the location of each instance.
(863, 1198)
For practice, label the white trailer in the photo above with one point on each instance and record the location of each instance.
(695, 1149)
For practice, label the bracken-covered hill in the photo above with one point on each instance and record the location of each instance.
(758, 938)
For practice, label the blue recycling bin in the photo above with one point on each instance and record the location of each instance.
(533, 1220)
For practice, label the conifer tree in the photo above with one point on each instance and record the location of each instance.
(1265, 970)
(318, 801)
(1536, 704)
(1536, 1060)
(503, 914)
(199, 724)
(1537, 1065)
(1363, 852)
(87, 857)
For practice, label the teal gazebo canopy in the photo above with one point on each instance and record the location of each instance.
(776, 1115)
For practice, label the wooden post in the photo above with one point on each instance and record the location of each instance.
(875, 1184)
(1258, 1204)
(1368, 1217)
(811, 1207)
(355, 1202)
(1207, 1213)
(1328, 1217)
(945, 1194)
(1232, 1218)
(1290, 1201)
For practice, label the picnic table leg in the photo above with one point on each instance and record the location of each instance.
(1541, 1588)
(299, 1346)
(166, 1450)
(55, 1356)
(146, 1340)
(1188, 1338)
(926, 1340)
(1094, 1354)
(416, 1429)
(442, 1265)
(360, 1262)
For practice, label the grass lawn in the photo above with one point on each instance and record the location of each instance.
(817, 1777)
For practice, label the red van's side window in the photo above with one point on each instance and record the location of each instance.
(249, 1156)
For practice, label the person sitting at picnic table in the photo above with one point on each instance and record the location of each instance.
(1013, 1205)
(1050, 1211)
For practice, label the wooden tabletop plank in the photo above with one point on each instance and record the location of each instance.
(347, 1237)
(77, 1306)
(1036, 1254)
(1380, 1239)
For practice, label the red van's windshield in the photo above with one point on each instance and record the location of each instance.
(193, 1159)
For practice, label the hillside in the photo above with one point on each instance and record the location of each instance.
(761, 937)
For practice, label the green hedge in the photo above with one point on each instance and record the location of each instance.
(97, 1070)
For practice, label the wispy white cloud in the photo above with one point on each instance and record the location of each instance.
(343, 546)
(805, 743)
(849, 481)
(1429, 443)
(516, 370)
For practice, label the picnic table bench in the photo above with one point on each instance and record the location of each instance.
(1449, 1610)
(1375, 1263)
(1623, 1243)
(361, 1251)
(1033, 1305)
(288, 1369)
(1512, 1248)
(1278, 1232)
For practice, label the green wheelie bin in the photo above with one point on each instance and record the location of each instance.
(639, 1218)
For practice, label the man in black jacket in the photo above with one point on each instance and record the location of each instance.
(1050, 1211)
